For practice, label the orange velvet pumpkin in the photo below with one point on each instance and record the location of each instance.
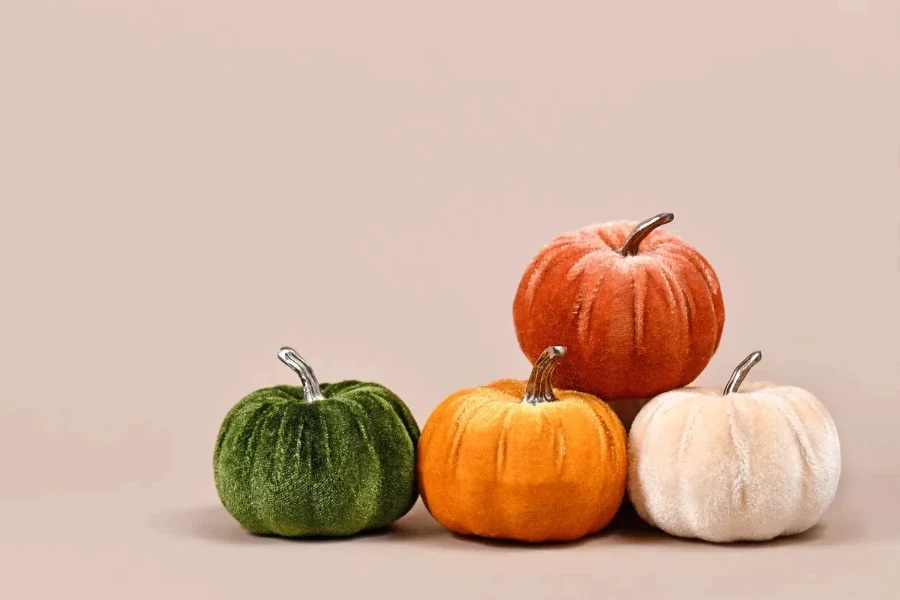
(519, 460)
(639, 309)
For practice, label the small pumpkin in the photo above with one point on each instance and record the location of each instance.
(317, 460)
(519, 460)
(639, 309)
(734, 465)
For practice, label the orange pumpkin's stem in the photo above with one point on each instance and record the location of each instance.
(539, 387)
(737, 378)
(311, 389)
(643, 229)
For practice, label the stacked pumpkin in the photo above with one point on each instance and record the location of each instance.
(620, 317)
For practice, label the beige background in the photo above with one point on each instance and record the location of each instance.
(188, 185)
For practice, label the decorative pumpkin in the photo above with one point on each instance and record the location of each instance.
(639, 310)
(723, 467)
(329, 460)
(522, 461)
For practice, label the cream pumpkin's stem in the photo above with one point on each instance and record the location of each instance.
(311, 390)
(737, 378)
(539, 387)
(643, 229)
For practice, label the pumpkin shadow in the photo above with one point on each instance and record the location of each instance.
(838, 528)
(417, 524)
(208, 523)
(444, 536)
(214, 524)
(515, 545)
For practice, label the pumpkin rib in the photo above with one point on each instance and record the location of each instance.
(661, 268)
(399, 408)
(369, 476)
(500, 452)
(224, 430)
(537, 272)
(271, 462)
(791, 523)
(587, 315)
(637, 315)
(384, 516)
(687, 431)
(542, 266)
(606, 449)
(702, 283)
(793, 422)
(612, 495)
(706, 274)
(741, 480)
(685, 313)
(246, 431)
(259, 472)
(692, 516)
(283, 433)
(619, 437)
(581, 308)
(668, 400)
(461, 426)
(298, 444)
(559, 445)
(580, 264)
(357, 412)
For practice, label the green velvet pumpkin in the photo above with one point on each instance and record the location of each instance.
(329, 460)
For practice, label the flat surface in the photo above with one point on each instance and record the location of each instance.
(185, 187)
(158, 543)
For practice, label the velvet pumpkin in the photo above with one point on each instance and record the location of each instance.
(739, 465)
(639, 309)
(519, 460)
(329, 460)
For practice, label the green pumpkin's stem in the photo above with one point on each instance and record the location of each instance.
(311, 389)
(539, 387)
(643, 229)
(737, 378)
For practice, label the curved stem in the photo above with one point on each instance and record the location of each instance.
(539, 387)
(311, 389)
(737, 378)
(643, 229)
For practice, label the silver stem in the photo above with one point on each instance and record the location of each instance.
(539, 387)
(737, 378)
(311, 389)
(643, 229)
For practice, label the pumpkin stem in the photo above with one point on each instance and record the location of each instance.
(539, 386)
(311, 389)
(737, 378)
(643, 229)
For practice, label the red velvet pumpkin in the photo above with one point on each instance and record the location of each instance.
(639, 309)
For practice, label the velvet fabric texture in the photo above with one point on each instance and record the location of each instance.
(634, 326)
(752, 465)
(628, 408)
(331, 467)
(491, 465)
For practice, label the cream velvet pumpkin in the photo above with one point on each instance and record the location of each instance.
(724, 467)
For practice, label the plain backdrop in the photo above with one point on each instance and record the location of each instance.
(186, 186)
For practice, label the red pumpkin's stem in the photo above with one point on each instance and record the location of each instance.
(539, 387)
(737, 378)
(643, 229)
(311, 390)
